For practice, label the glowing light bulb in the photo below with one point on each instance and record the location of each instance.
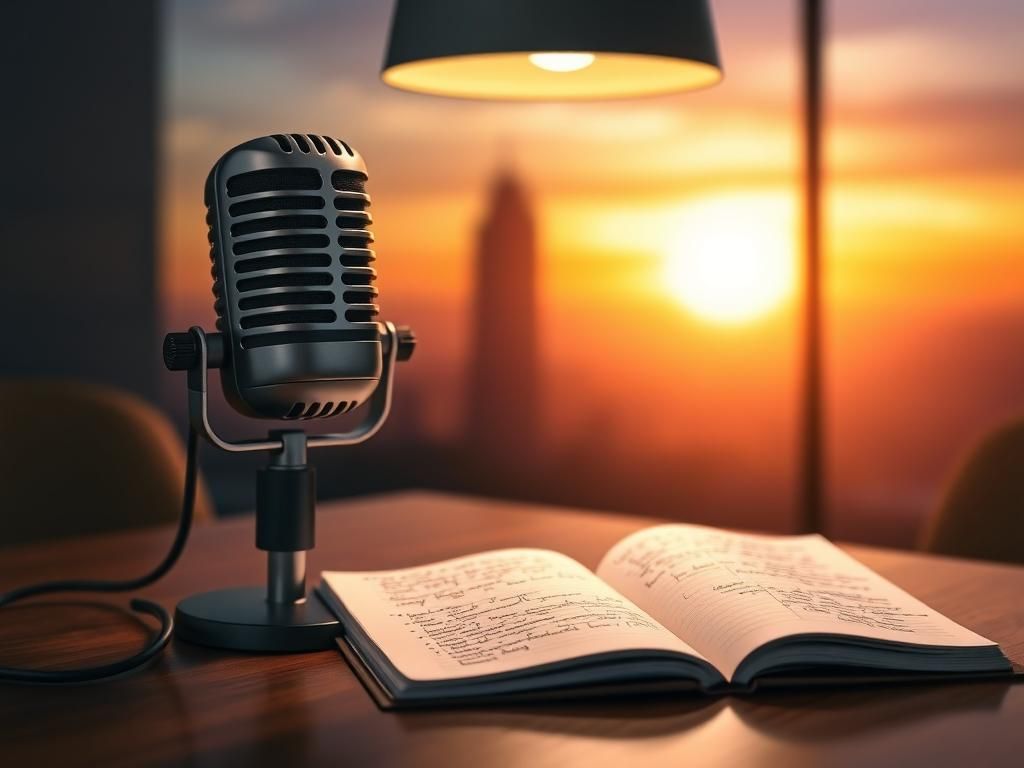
(562, 62)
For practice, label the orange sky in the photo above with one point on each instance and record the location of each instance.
(919, 169)
(635, 199)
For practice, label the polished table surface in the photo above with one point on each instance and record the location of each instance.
(197, 706)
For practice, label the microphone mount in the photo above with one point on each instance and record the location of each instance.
(279, 617)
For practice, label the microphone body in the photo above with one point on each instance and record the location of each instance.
(293, 280)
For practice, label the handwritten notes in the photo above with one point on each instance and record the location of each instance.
(728, 593)
(495, 612)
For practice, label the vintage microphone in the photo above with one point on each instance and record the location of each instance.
(297, 339)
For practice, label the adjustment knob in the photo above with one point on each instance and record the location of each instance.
(181, 351)
(406, 339)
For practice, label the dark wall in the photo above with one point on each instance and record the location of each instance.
(77, 237)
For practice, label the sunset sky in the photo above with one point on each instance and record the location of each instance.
(668, 225)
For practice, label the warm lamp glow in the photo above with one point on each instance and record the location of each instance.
(557, 76)
(562, 62)
(569, 49)
(732, 258)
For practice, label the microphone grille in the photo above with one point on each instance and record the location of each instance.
(290, 242)
(320, 144)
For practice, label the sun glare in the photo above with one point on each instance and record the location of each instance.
(731, 260)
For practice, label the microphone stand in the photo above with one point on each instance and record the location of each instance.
(279, 617)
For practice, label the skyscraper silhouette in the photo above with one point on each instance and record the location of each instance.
(504, 377)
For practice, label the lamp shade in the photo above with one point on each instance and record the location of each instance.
(551, 49)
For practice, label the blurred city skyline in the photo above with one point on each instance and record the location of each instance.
(666, 234)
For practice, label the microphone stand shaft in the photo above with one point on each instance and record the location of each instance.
(285, 509)
(286, 577)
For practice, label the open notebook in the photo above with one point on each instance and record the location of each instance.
(670, 607)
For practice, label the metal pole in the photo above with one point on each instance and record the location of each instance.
(286, 568)
(286, 577)
(812, 443)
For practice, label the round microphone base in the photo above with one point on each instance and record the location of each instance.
(242, 619)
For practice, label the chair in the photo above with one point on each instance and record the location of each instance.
(982, 513)
(77, 458)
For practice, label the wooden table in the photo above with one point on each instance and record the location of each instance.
(204, 707)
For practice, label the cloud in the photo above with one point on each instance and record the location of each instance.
(888, 65)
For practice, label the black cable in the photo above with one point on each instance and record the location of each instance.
(160, 640)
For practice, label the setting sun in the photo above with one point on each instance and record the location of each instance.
(731, 258)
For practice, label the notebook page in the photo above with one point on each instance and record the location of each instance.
(729, 593)
(494, 612)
